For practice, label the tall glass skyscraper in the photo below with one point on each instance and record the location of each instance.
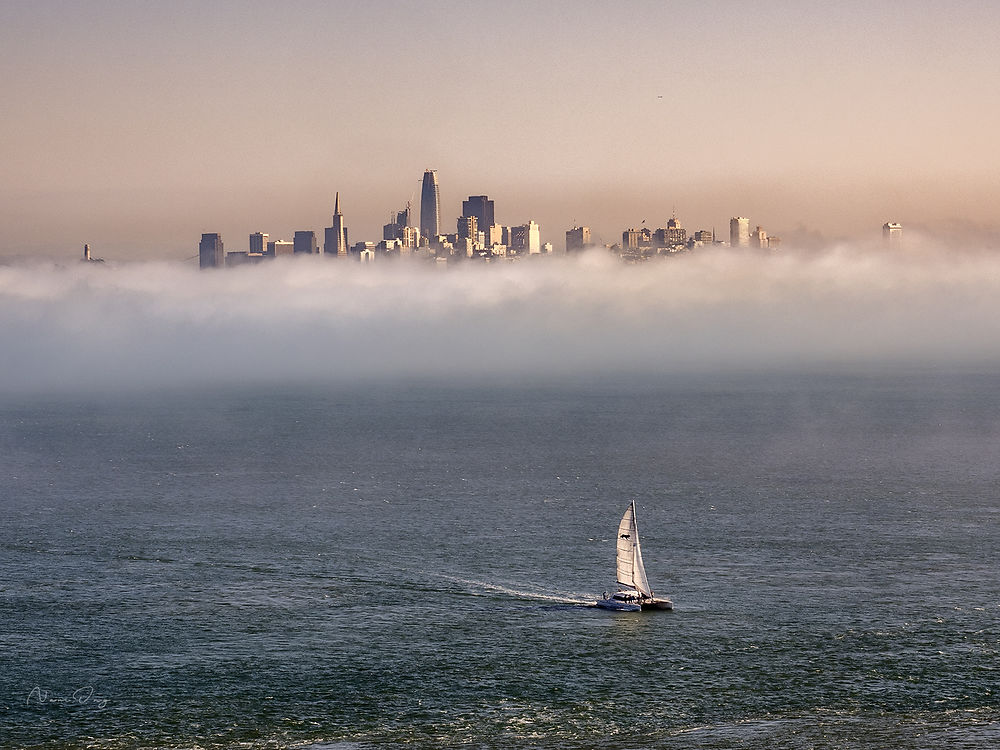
(430, 206)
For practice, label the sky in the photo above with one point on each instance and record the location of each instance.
(136, 126)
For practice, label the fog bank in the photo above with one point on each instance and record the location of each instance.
(155, 325)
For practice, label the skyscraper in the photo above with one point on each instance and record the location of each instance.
(892, 235)
(210, 252)
(577, 238)
(398, 223)
(258, 242)
(430, 206)
(739, 232)
(482, 208)
(525, 239)
(534, 239)
(468, 228)
(304, 242)
(335, 240)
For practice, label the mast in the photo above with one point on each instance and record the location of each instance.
(639, 570)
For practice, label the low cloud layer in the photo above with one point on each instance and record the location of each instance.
(154, 325)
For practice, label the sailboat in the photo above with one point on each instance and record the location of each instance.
(634, 593)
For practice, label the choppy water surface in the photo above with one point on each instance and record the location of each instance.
(346, 567)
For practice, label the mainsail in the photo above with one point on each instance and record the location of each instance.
(631, 572)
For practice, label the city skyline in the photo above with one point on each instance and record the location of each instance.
(479, 236)
(136, 128)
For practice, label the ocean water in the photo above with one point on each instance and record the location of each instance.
(364, 566)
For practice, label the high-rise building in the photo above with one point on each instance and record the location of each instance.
(739, 232)
(410, 238)
(304, 242)
(398, 223)
(482, 208)
(430, 206)
(675, 234)
(534, 238)
(468, 228)
(892, 235)
(258, 242)
(758, 238)
(210, 252)
(279, 247)
(577, 239)
(517, 239)
(493, 235)
(525, 239)
(335, 240)
(637, 239)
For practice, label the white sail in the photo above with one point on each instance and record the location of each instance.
(631, 572)
(639, 574)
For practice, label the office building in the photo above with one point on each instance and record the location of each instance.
(739, 232)
(577, 239)
(279, 247)
(258, 243)
(482, 208)
(304, 243)
(892, 235)
(210, 252)
(468, 228)
(758, 238)
(430, 206)
(517, 239)
(410, 238)
(335, 240)
(634, 240)
(493, 235)
(534, 239)
(399, 222)
(525, 239)
(673, 235)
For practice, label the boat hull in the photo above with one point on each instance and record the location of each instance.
(657, 604)
(635, 605)
(617, 605)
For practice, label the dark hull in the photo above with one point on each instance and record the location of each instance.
(656, 604)
(635, 605)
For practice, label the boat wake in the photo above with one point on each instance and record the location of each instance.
(482, 588)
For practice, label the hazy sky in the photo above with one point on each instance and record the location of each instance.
(137, 126)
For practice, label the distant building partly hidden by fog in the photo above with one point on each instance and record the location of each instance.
(577, 238)
(892, 235)
(739, 232)
(210, 252)
(88, 258)
(740, 235)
